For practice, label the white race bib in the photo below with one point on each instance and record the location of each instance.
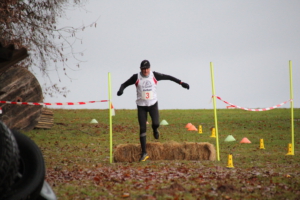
(147, 95)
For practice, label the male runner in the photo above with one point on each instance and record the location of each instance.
(146, 85)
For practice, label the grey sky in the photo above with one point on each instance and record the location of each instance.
(249, 42)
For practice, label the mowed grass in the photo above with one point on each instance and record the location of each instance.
(77, 156)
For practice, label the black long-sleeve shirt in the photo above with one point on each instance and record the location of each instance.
(158, 76)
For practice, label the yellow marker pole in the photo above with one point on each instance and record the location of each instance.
(292, 106)
(215, 109)
(110, 118)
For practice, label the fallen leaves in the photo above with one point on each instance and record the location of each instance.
(176, 180)
(77, 158)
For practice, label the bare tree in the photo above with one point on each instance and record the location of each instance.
(32, 24)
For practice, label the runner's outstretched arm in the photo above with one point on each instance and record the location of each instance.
(160, 76)
(130, 81)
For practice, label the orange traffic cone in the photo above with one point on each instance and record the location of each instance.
(192, 128)
(245, 140)
(188, 125)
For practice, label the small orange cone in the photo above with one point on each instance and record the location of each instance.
(245, 140)
(188, 125)
(192, 128)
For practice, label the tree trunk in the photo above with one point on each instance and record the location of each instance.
(20, 85)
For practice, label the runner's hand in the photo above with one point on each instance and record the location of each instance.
(120, 93)
(185, 85)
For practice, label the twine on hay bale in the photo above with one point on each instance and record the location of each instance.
(166, 151)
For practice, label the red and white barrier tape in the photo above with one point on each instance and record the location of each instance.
(49, 104)
(249, 109)
(59, 104)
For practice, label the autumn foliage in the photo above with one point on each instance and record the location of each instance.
(32, 25)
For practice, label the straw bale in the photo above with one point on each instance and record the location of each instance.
(211, 148)
(127, 153)
(155, 150)
(166, 151)
(173, 151)
(200, 151)
(192, 152)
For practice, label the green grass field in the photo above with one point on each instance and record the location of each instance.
(77, 158)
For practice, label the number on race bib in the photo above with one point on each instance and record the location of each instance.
(147, 95)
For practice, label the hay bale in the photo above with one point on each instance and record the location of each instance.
(155, 150)
(191, 149)
(173, 151)
(127, 153)
(166, 151)
(200, 151)
(211, 148)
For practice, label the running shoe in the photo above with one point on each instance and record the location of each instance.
(144, 157)
(156, 134)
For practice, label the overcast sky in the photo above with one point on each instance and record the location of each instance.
(249, 42)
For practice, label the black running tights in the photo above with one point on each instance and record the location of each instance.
(142, 117)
